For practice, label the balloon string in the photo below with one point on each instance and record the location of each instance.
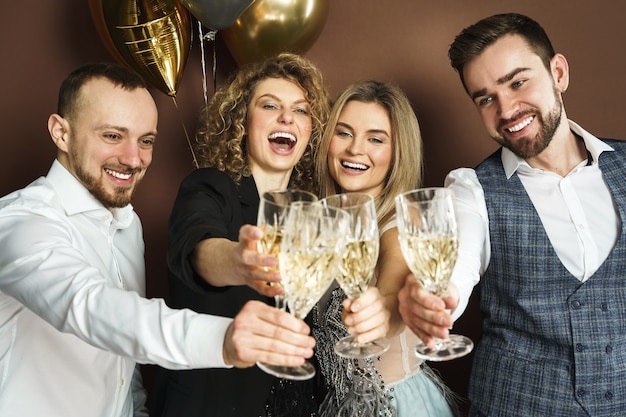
(209, 36)
(214, 64)
(193, 154)
(203, 62)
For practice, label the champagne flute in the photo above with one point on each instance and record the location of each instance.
(358, 260)
(428, 235)
(273, 209)
(312, 236)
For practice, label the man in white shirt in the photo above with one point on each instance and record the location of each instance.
(74, 322)
(540, 231)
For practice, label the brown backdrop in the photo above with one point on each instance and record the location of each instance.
(401, 41)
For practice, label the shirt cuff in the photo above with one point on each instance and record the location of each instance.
(205, 341)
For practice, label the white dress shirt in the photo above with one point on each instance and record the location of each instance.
(74, 322)
(576, 210)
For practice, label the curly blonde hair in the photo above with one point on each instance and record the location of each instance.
(220, 139)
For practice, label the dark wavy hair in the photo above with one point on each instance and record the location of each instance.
(220, 138)
(474, 39)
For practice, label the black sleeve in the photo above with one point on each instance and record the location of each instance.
(206, 206)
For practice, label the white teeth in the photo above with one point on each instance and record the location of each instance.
(521, 125)
(119, 175)
(282, 135)
(352, 165)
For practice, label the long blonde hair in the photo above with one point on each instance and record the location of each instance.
(405, 172)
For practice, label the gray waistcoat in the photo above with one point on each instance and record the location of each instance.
(551, 345)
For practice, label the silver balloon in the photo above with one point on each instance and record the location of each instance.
(216, 14)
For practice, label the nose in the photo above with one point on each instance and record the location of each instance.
(285, 116)
(508, 106)
(130, 154)
(356, 146)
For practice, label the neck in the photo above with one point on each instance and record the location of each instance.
(564, 153)
(266, 181)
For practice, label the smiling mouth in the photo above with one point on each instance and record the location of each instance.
(354, 166)
(520, 125)
(119, 175)
(283, 140)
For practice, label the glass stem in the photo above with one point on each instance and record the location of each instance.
(280, 303)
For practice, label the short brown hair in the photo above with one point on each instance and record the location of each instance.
(474, 39)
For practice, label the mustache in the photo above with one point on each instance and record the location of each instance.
(124, 169)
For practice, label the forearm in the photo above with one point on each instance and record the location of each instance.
(392, 271)
(214, 260)
(396, 325)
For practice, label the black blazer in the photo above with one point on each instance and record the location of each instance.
(209, 204)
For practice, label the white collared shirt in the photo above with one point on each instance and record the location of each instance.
(73, 318)
(577, 212)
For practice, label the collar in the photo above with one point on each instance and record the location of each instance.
(248, 193)
(595, 147)
(76, 199)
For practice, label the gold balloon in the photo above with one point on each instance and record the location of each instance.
(152, 36)
(97, 14)
(268, 27)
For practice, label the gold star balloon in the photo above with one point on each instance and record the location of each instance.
(151, 36)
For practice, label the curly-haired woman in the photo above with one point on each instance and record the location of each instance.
(258, 132)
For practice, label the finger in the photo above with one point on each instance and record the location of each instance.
(249, 232)
(371, 296)
(426, 324)
(276, 317)
(252, 258)
(373, 334)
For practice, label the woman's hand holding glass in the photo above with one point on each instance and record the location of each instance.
(366, 317)
(357, 264)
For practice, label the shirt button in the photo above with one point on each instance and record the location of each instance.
(609, 349)
(608, 395)
(580, 347)
(604, 307)
(581, 392)
(576, 304)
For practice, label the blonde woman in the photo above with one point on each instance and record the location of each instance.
(372, 144)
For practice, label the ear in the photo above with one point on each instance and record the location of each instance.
(59, 130)
(560, 72)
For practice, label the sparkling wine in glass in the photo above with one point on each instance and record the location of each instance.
(312, 236)
(273, 208)
(427, 230)
(357, 261)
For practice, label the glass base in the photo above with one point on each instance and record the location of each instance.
(296, 373)
(348, 347)
(455, 346)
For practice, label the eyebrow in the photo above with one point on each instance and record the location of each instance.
(502, 80)
(379, 131)
(270, 95)
(125, 130)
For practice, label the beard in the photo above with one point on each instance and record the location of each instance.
(119, 197)
(528, 147)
